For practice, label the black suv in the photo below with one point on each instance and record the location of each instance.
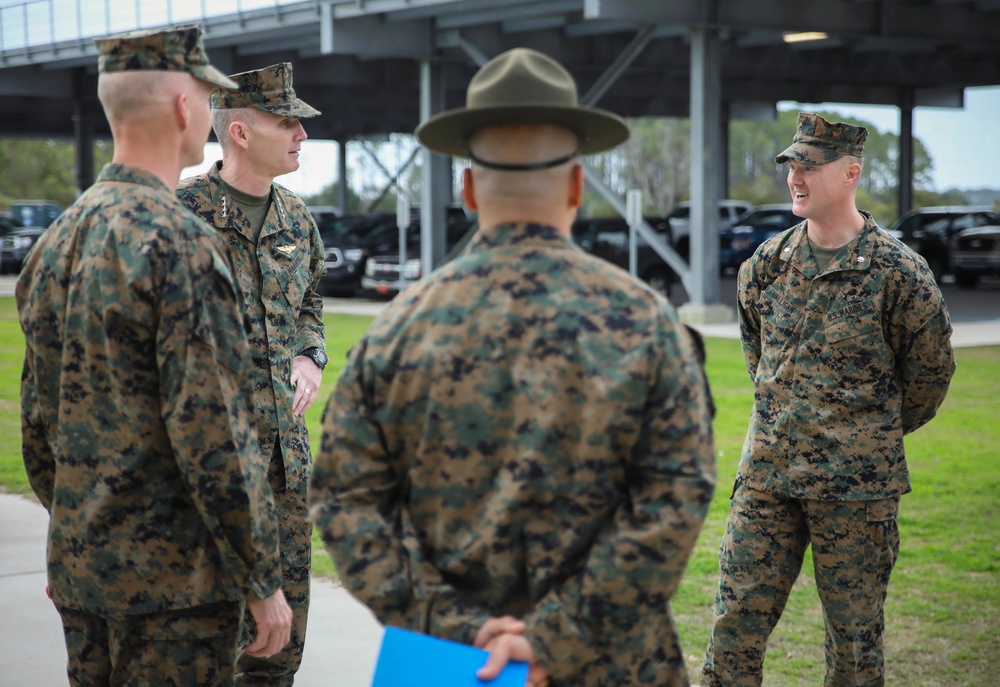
(607, 237)
(738, 242)
(381, 276)
(929, 231)
(348, 242)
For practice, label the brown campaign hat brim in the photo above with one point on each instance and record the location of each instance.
(448, 132)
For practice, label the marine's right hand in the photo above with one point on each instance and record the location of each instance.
(274, 625)
(503, 639)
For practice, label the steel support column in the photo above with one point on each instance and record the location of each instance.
(905, 188)
(83, 131)
(706, 157)
(342, 175)
(435, 192)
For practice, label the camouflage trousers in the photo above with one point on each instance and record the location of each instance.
(192, 646)
(854, 548)
(295, 530)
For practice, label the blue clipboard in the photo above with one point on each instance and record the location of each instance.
(411, 659)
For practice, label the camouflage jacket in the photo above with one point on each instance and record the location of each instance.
(279, 276)
(136, 407)
(844, 363)
(525, 432)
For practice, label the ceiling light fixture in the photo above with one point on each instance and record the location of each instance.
(791, 37)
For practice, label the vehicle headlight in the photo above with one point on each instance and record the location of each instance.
(411, 270)
(23, 242)
(354, 254)
(370, 268)
(741, 244)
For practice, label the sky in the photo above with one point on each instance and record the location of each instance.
(964, 144)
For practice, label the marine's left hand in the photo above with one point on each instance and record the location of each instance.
(306, 378)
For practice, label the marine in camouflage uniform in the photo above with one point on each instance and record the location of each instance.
(847, 356)
(524, 433)
(137, 420)
(278, 255)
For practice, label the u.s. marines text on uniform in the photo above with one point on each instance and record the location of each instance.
(847, 339)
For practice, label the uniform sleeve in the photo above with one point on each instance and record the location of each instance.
(747, 296)
(310, 330)
(356, 495)
(925, 357)
(39, 460)
(204, 361)
(635, 564)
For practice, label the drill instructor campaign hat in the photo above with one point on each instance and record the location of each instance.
(817, 141)
(172, 50)
(269, 89)
(521, 86)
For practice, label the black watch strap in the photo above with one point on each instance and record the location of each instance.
(318, 356)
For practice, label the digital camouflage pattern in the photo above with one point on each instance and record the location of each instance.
(269, 89)
(844, 362)
(524, 432)
(278, 275)
(854, 548)
(136, 407)
(817, 141)
(195, 646)
(176, 50)
(295, 530)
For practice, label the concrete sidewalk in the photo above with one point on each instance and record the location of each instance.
(985, 332)
(341, 647)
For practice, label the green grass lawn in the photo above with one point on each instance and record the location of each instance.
(944, 597)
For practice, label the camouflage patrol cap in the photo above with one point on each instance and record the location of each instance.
(269, 89)
(817, 141)
(172, 50)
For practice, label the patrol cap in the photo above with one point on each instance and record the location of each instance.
(269, 89)
(171, 50)
(817, 141)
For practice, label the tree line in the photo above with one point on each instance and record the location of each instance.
(655, 160)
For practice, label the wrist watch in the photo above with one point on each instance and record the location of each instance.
(318, 356)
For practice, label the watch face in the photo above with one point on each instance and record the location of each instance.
(319, 357)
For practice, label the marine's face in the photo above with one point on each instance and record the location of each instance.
(275, 143)
(813, 187)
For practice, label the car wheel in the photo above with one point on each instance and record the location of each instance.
(966, 280)
(659, 281)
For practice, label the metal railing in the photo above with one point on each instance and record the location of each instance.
(46, 23)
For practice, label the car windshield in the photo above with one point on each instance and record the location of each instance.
(778, 219)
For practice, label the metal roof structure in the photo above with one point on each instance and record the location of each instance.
(358, 60)
(379, 66)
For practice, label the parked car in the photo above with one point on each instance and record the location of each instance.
(929, 231)
(975, 253)
(381, 275)
(15, 245)
(680, 221)
(8, 225)
(607, 237)
(348, 243)
(35, 213)
(738, 242)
